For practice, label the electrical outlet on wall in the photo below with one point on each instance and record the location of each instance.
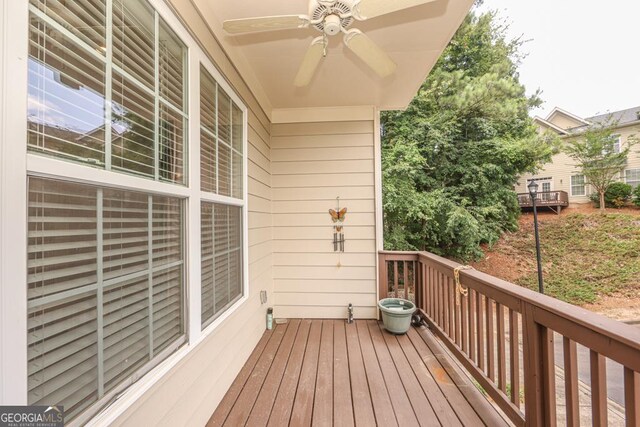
(263, 297)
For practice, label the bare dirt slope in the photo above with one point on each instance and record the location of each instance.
(589, 259)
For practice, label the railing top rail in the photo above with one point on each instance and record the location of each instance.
(615, 330)
(544, 192)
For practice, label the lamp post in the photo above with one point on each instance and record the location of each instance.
(533, 193)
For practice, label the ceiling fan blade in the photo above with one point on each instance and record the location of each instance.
(310, 63)
(265, 23)
(369, 52)
(366, 9)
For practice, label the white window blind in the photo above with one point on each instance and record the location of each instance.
(76, 72)
(221, 140)
(632, 177)
(106, 289)
(221, 258)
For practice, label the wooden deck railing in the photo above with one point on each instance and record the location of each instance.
(544, 198)
(503, 335)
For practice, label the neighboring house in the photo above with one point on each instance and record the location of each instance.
(561, 174)
(162, 184)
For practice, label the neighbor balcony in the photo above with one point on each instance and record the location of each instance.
(488, 353)
(551, 199)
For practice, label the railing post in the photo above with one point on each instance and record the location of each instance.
(539, 371)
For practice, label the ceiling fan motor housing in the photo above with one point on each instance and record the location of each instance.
(333, 15)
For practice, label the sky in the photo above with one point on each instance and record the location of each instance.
(583, 54)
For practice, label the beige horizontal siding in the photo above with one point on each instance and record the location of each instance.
(189, 394)
(312, 164)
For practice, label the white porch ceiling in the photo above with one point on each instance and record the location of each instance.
(414, 38)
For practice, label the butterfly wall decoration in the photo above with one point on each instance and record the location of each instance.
(338, 216)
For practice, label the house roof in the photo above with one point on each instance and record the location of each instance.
(414, 38)
(622, 117)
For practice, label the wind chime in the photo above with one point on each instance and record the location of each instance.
(337, 216)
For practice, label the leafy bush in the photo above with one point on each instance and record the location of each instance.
(616, 196)
(636, 196)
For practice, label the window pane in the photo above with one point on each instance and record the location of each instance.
(172, 129)
(65, 97)
(207, 101)
(237, 128)
(221, 254)
(224, 116)
(126, 329)
(224, 169)
(74, 270)
(84, 19)
(62, 353)
(62, 237)
(132, 135)
(167, 230)
(126, 232)
(168, 303)
(172, 66)
(133, 39)
(208, 163)
(237, 175)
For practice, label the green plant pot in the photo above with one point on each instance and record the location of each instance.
(396, 314)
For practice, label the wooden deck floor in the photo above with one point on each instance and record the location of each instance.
(327, 372)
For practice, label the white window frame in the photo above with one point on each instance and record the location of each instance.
(16, 165)
(624, 175)
(584, 185)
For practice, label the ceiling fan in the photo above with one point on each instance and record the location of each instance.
(331, 17)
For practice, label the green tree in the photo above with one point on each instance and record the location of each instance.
(451, 159)
(597, 158)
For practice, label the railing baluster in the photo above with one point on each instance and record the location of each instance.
(463, 313)
(472, 325)
(632, 397)
(452, 309)
(491, 372)
(549, 377)
(598, 388)
(405, 284)
(572, 398)
(395, 279)
(502, 368)
(514, 357)
(480, 336)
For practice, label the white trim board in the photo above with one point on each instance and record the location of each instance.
(13, 202)
(324, 114)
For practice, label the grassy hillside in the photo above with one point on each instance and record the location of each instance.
(585, 255)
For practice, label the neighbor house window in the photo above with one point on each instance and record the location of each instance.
(113, 98)
(221, 174)
(578, 185)
(632, 177)
(615, 145)
(106, 288)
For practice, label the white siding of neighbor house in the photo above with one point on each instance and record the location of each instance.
(312, 164)
(190, 392)
(562, 167)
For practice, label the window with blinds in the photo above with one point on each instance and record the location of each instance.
(115, 101)
(105, 289)
(221, 140)
(221, 227)
(221, 174)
